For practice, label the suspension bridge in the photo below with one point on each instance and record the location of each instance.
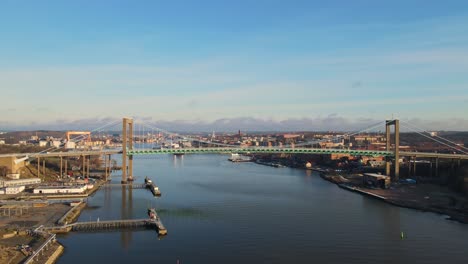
(129, 140)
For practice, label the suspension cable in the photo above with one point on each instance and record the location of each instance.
(425, 131)
(443, 143)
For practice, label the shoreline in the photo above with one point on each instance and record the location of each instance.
(405, 197)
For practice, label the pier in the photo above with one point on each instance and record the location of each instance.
(149, 184)
(109, 225)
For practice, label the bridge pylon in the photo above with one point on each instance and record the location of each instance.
(396, 138)
(127, 142)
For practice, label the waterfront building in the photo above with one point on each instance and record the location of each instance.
(24, 182)
(60, 189)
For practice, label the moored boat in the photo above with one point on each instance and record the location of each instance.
(152, 213)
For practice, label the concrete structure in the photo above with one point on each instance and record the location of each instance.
(396, 149)
(376, 180)
(11, 165)
(13, 176)
(60, 189)
(127, 142)
(24, 182)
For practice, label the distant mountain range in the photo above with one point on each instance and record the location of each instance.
(328, 123)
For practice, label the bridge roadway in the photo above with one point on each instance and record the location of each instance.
(375, 153)
(433, 155)
(266, 150)
(64, 154)
(260, 150)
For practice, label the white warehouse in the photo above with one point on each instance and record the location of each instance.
(19, 182)
(60, 189)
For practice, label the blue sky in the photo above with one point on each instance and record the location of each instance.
(202, 61)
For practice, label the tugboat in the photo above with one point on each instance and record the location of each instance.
(155, 190)
(148, 181)
(152, 213)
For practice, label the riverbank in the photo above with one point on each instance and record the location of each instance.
(421, 196)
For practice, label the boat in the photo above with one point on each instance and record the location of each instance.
(156, 190)
(148, 181)
(239, 158)
(152, 213)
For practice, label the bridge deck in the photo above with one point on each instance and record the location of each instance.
(318, 151)
(260, 150)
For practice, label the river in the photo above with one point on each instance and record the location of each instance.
(216, 211)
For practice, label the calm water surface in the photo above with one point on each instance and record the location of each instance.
(216, 211)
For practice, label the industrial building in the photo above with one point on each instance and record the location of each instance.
(60, 189)
(12, 164)
(376, 180)
(20, 182)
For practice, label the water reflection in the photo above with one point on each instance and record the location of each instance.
(178, 161)
(126, 213)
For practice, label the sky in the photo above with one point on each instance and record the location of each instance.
(314, 64)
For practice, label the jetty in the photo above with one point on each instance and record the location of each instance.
(149, 184)
(92, 226)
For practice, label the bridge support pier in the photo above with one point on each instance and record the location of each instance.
(430, 169)
(83, 164)
(38, 167)
(66, 166)
(396, 138)
(409, 166)
(43, 168)
(88, 163)
(127, 142)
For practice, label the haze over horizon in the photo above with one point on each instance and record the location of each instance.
(245, 124)
(210, 65)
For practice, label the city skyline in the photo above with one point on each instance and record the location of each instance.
(246, 64)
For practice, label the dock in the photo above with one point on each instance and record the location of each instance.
(161, 229)
(149, 184)
(92, 226)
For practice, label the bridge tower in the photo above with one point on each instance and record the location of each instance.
(127, 142)
(396, 138)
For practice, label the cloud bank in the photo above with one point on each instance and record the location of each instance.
(331, 122)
